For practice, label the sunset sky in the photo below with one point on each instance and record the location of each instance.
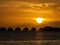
(17, 12)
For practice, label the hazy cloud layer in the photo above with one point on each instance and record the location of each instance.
(31, 6)
(12, 9)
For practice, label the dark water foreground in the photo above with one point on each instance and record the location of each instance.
(21, 36)
(30, 38)
(31, 42)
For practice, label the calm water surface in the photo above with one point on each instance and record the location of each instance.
(45, 38)
(32, 42)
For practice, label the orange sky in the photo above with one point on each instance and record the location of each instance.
(16, 12)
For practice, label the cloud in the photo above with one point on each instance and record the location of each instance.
(44, 8)
(11, 11)
(35, 1)
(26, 6)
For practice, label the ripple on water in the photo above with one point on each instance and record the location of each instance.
(31, 42)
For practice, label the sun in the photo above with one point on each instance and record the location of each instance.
(39, 20)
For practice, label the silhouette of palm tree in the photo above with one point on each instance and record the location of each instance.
(18, 29)
(33, 29)
(25, 29)
(10, 29)
(2, 29)
(48, 29)
(56, 29)
(40, 29)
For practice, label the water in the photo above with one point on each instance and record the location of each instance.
(40, 38)
(32, 42)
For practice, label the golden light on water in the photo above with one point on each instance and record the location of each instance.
(39, 20)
